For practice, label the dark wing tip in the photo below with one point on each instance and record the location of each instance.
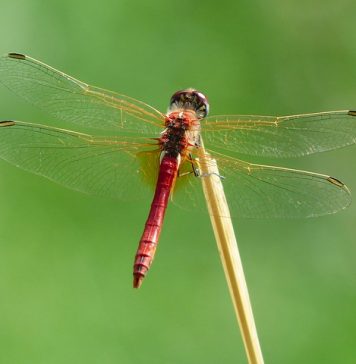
(352, 113)
(7, 123)
(335, 182)
(17, 56)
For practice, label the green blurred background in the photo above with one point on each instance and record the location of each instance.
(66, 258)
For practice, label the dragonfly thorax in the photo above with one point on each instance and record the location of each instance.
(179, 135)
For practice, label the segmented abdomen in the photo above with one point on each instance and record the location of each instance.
(147, 247)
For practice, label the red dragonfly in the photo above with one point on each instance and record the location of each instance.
(135, 146)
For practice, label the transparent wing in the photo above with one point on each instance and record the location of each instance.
(260, 191)
(74, 101)
(117, 167)
(102, 166)
(285, 136)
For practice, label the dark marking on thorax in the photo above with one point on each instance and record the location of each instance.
(173, 140)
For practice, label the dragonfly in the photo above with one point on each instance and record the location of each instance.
(133, 147)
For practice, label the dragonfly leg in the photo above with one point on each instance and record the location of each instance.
(195, 170)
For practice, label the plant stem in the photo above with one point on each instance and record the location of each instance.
(229, 254)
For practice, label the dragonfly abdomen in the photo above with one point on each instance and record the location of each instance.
(149, 240)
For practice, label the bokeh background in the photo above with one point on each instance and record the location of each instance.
(66, 258)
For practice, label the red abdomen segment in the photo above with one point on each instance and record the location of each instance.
(149, 240)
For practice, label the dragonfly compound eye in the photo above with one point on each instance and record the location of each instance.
(190, 99)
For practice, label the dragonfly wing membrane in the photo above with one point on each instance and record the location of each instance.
(286, 136)
(101, 166)
(260, 191)
(74, 101)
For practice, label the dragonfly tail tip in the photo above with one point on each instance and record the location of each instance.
(137, 281)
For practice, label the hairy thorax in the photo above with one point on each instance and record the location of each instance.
(181, 135)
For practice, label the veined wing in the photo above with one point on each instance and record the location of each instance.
(95, 165)
(282, 136)
(261, 191)
(71, 100)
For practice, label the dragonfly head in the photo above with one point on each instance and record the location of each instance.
(190, 99)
